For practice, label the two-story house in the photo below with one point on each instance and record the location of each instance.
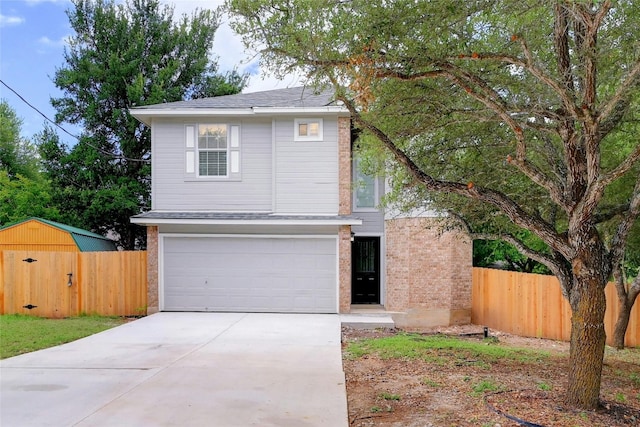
(254, 208)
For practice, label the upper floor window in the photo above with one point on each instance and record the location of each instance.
(213, 150)
(365, 189)
(308, 130)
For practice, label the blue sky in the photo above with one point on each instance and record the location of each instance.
(32, 40)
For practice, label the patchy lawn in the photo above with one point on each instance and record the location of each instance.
(23, 334)
(461, 379)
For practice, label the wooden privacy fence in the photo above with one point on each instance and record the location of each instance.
(63, 284)
(532, 305)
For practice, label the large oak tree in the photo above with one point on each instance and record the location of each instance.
(545, 93)
(123, 55)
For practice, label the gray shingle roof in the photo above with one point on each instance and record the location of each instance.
(296, 97)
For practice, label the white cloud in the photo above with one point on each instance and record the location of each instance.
(230, 52)
(7, 21)
(46, 41)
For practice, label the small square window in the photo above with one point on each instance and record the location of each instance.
(308, 130)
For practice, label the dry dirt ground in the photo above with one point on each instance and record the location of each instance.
(412, 393)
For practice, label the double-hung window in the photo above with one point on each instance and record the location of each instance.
(212, 150)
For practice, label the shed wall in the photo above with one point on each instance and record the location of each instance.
(35, 236)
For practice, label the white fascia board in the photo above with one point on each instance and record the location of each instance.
(204, 221)
(145, 115)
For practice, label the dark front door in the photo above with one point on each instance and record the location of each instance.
(365, 267)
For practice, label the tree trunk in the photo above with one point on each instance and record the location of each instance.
(622, 323)
(587, 343)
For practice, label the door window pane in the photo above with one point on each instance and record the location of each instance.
(366, 259)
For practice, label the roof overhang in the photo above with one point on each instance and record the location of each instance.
(145, 115)
(200, 218)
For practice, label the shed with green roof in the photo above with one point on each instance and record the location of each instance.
(39, 234)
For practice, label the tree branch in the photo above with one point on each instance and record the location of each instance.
(625, 296)
(556, 263)
(611, 113)
(511, 209)
(561, 41)
(492, 100)
(542, 258)
(622, 168)
(619, 240)
(611, 213)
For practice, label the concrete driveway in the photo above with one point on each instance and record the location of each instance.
(185, 369)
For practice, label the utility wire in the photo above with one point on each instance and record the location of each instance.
(39, 112)
(105, 152)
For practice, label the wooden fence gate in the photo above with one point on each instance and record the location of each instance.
(63, 284)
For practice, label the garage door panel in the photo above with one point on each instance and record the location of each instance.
(250, 274)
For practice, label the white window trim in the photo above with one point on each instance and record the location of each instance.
(298, 137)
(192, 158)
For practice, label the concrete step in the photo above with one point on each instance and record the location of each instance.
(367, 321)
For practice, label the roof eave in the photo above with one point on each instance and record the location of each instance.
(262, 222)
(146, 114)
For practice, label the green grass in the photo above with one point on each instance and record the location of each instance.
(390, 396)
(440, 347)
(544, 386)
(635, 378)
(22, 334)
(485, 386)
(426, 381)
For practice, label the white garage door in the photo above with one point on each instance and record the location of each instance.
(250, 274)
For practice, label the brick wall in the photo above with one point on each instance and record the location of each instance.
(344, 165)
(344, 269)
(153, 305)
(428, 274)
(344, 208)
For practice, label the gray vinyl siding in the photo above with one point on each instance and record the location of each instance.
(372, 220)
(172, 190)
(306, 172)
(372, 223)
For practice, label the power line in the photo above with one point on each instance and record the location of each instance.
(38, 111)
(105, 152)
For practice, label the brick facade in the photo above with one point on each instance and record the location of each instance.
(344, 208)
(428, 275)
(153, 305)
(344, 268)
(344, 165)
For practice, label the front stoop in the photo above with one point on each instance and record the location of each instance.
(368, 317)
